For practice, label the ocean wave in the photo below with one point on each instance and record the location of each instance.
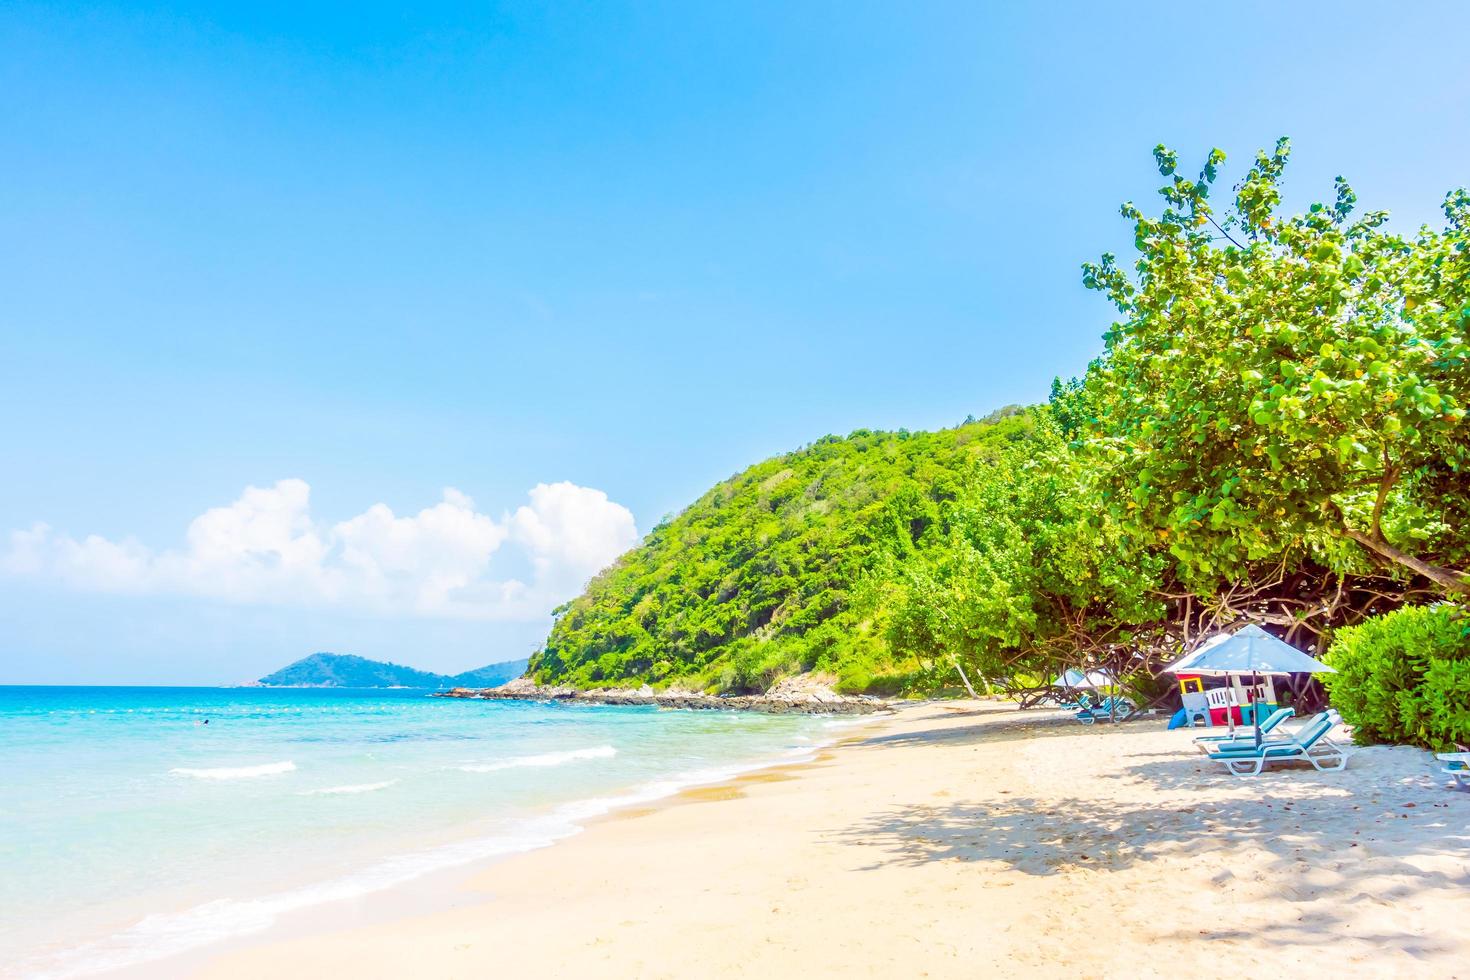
(166, 934)
(237, 772)
(354, 788)
(541, 761)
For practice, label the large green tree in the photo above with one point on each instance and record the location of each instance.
(1286, 387)
(1024, 571)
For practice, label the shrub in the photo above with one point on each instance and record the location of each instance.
(756, 668)
(896, 681)
(1404, 677)
(854, 679)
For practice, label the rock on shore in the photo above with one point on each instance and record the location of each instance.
(792, 696)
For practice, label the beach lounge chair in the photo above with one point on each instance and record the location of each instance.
(1310, 745)
(1242, 738)
(1109, 709)
(1457, 764)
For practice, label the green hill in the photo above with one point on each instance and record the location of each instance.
(346, 670)
(770, 572)
(492, 676)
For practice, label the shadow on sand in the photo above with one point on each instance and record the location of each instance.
(1004, 722)
(1280, 820)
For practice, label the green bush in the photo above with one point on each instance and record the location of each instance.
(1405, 677)
(854, 679)
(884, 679)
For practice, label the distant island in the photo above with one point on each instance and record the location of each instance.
(346, 670)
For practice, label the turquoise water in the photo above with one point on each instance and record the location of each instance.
(130, 829)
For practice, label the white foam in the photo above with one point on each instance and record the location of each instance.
(357, 788)
(168, 934)
(162, 935)
(238, 772)
(542, 761)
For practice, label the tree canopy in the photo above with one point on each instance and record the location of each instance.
(1275, 431)
(1279, 384)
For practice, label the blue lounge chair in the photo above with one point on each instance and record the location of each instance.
(1110, 709)
(1457, 764)
(1213, 743)
(1079, 703)
(1310, 745)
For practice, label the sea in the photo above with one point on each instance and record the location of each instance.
(140, 823)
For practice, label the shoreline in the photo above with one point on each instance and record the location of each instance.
(439, 887)
(789, 697)
(952, 839)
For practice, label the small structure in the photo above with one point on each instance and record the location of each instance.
(1235, 703)
(1252, 653)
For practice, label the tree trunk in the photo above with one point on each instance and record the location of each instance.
(956, 661)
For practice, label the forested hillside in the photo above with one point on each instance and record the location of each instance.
(1275, 431)
(771, 571)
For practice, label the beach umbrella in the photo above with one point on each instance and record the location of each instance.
(1076, 679)
(1250, 651)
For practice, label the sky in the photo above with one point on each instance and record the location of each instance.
(380, 330)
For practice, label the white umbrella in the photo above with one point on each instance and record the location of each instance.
(1250, 651)
(1076, 679)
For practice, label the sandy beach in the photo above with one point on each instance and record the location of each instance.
(966, 839)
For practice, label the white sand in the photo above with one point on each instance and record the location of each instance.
(969, 840)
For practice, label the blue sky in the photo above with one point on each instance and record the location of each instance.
(614, 251)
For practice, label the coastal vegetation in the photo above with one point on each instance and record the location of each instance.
(778, 569)
(1274, 432)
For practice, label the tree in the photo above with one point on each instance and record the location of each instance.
(1024, 572)
(1285, 386)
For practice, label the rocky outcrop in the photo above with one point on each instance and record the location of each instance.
(787, 698)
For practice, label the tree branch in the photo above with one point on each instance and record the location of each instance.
(1447, 577)
(1224, 232)
(1385, 484)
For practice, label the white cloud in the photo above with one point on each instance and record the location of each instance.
(267, 548)
(568, 531)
